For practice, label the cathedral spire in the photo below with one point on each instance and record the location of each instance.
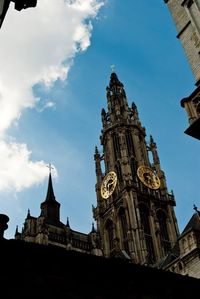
(93, 228)
(67, 224)
(116, 99)
(28, 214)
(50, 193)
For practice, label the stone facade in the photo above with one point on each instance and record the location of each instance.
(185, 256)
(192, 107)
(186, 15)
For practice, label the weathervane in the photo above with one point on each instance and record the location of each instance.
(50, 167)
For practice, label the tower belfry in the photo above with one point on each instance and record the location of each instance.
(134, 213)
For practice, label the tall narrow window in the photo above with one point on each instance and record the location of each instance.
(144, 215)
(109, 233)
(164, 236)
(123, 229)
(116, 145)
(129, 142)
(133, 169)
(119, 172)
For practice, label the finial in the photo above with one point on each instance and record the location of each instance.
(93, 229)
(16, 231)
(96, 150)
(50, 167)
(67, 224)
(133, 106)
(112, 68)
(151, 139)
(195, 208)
(103, 112)
(28, 214)
(172, 192)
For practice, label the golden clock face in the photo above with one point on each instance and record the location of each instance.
(108, 185)
(148, 177)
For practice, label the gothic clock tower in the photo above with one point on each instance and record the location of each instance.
(134, 213)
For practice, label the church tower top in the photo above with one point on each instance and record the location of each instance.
(134, 212)
(116, 100)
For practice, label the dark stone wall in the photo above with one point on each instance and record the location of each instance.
(31, 270)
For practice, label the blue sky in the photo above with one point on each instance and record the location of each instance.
(52, 90)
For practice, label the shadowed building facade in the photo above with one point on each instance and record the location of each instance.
(47, 229)
(186, 16)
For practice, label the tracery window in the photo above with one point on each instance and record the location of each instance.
(129, 142)
(116, 145)
(164, 236)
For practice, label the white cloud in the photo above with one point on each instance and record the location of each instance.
(17, 171)
(37, 45)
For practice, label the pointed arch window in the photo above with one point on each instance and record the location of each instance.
(110, 236)
(116, 145)
(144, 215)
(123, 229)
(164, 236)
(130, 145)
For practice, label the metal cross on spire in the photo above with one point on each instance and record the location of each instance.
(50, 167)
(112, 68)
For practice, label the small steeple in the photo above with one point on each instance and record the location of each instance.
(16, 231)
(50, 208)
(151, 140)
(134, 114)
(93, 229)
(50, 193)
(67, 224)
(133, 106)
(195, 208)
(28, 214)
(154, 151)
